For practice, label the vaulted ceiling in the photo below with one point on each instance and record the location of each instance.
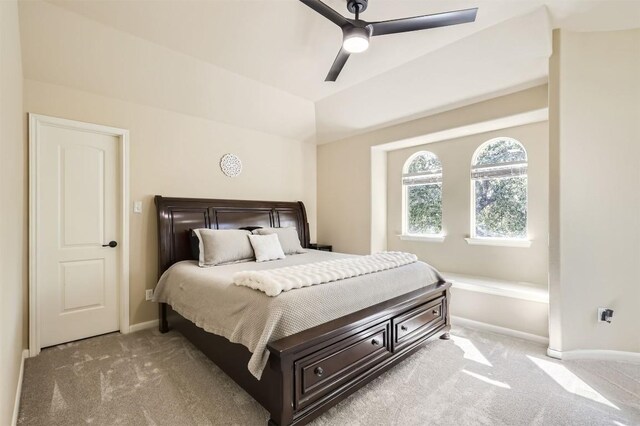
(285, 45)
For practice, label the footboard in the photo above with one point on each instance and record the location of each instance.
(311, 371)
(321, 366)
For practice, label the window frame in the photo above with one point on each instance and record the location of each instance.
(406, 236)
(474, 239)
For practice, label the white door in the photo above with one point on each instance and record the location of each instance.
(78, 201)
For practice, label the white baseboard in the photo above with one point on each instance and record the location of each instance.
(143, 326)
(464, 322)
(597, 354)
(554, 353)
(16, 404)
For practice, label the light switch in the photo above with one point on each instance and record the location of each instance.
(137, 206)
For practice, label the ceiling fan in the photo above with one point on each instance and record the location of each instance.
(356, 32)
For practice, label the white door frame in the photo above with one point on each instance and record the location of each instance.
(35, 120)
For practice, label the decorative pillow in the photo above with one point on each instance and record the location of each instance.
(266, 247)
(288, 238)
(220, 246)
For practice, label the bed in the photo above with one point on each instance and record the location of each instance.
(304, 373)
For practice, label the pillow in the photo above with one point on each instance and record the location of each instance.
(220, 246)
(266, 247)
(288, 238)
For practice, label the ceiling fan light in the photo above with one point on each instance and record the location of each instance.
(355, 44)
(356, 40)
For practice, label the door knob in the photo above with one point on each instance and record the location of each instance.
(111, 244)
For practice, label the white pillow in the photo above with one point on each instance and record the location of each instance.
(288, 238)
(220, 246)
(266, 247)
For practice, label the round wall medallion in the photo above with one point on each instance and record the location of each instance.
(231, 165)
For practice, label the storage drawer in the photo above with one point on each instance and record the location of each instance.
(418, 322)
(335, 365)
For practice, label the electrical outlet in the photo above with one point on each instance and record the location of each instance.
(137, 206)
(605, 315)
(148, 294)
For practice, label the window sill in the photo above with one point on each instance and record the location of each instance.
(499, 242)
(427, 238)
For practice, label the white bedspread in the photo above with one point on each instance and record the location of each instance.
(272, 282)
(208, 298)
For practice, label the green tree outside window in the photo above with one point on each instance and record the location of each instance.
(499, 174)
(422, 182)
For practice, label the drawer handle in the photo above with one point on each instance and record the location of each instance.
(319, 371)
(403, 328)
(436, 312)
(375, 342)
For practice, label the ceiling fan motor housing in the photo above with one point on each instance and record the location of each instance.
(357, 5)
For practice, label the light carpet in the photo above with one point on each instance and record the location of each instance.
(477, 378)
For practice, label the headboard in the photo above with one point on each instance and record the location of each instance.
(177, 215)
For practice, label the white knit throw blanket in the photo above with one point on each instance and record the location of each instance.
(275, 281)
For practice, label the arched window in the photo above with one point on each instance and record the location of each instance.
(499, 186)
(422, 186)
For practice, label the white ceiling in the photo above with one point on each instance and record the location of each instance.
(284, 44)
(510, 56)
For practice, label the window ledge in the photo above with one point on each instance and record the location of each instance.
(496, 287)
(501, 242)
(427, 238)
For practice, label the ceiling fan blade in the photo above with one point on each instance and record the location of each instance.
(327, 12)
(337, 66)
(425, 22)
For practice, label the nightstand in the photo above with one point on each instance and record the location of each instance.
(321, 247)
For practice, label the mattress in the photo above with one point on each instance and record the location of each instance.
(208, 298)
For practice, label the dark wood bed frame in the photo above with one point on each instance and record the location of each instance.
(315, 369)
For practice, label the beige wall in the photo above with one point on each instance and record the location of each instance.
(65, 48)
(174, 154)
(183, 114)
(520, 315)
(344, 167)
(13, 231)
(345, 204)
(454, 254)
(595, 122)
(555, 295)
